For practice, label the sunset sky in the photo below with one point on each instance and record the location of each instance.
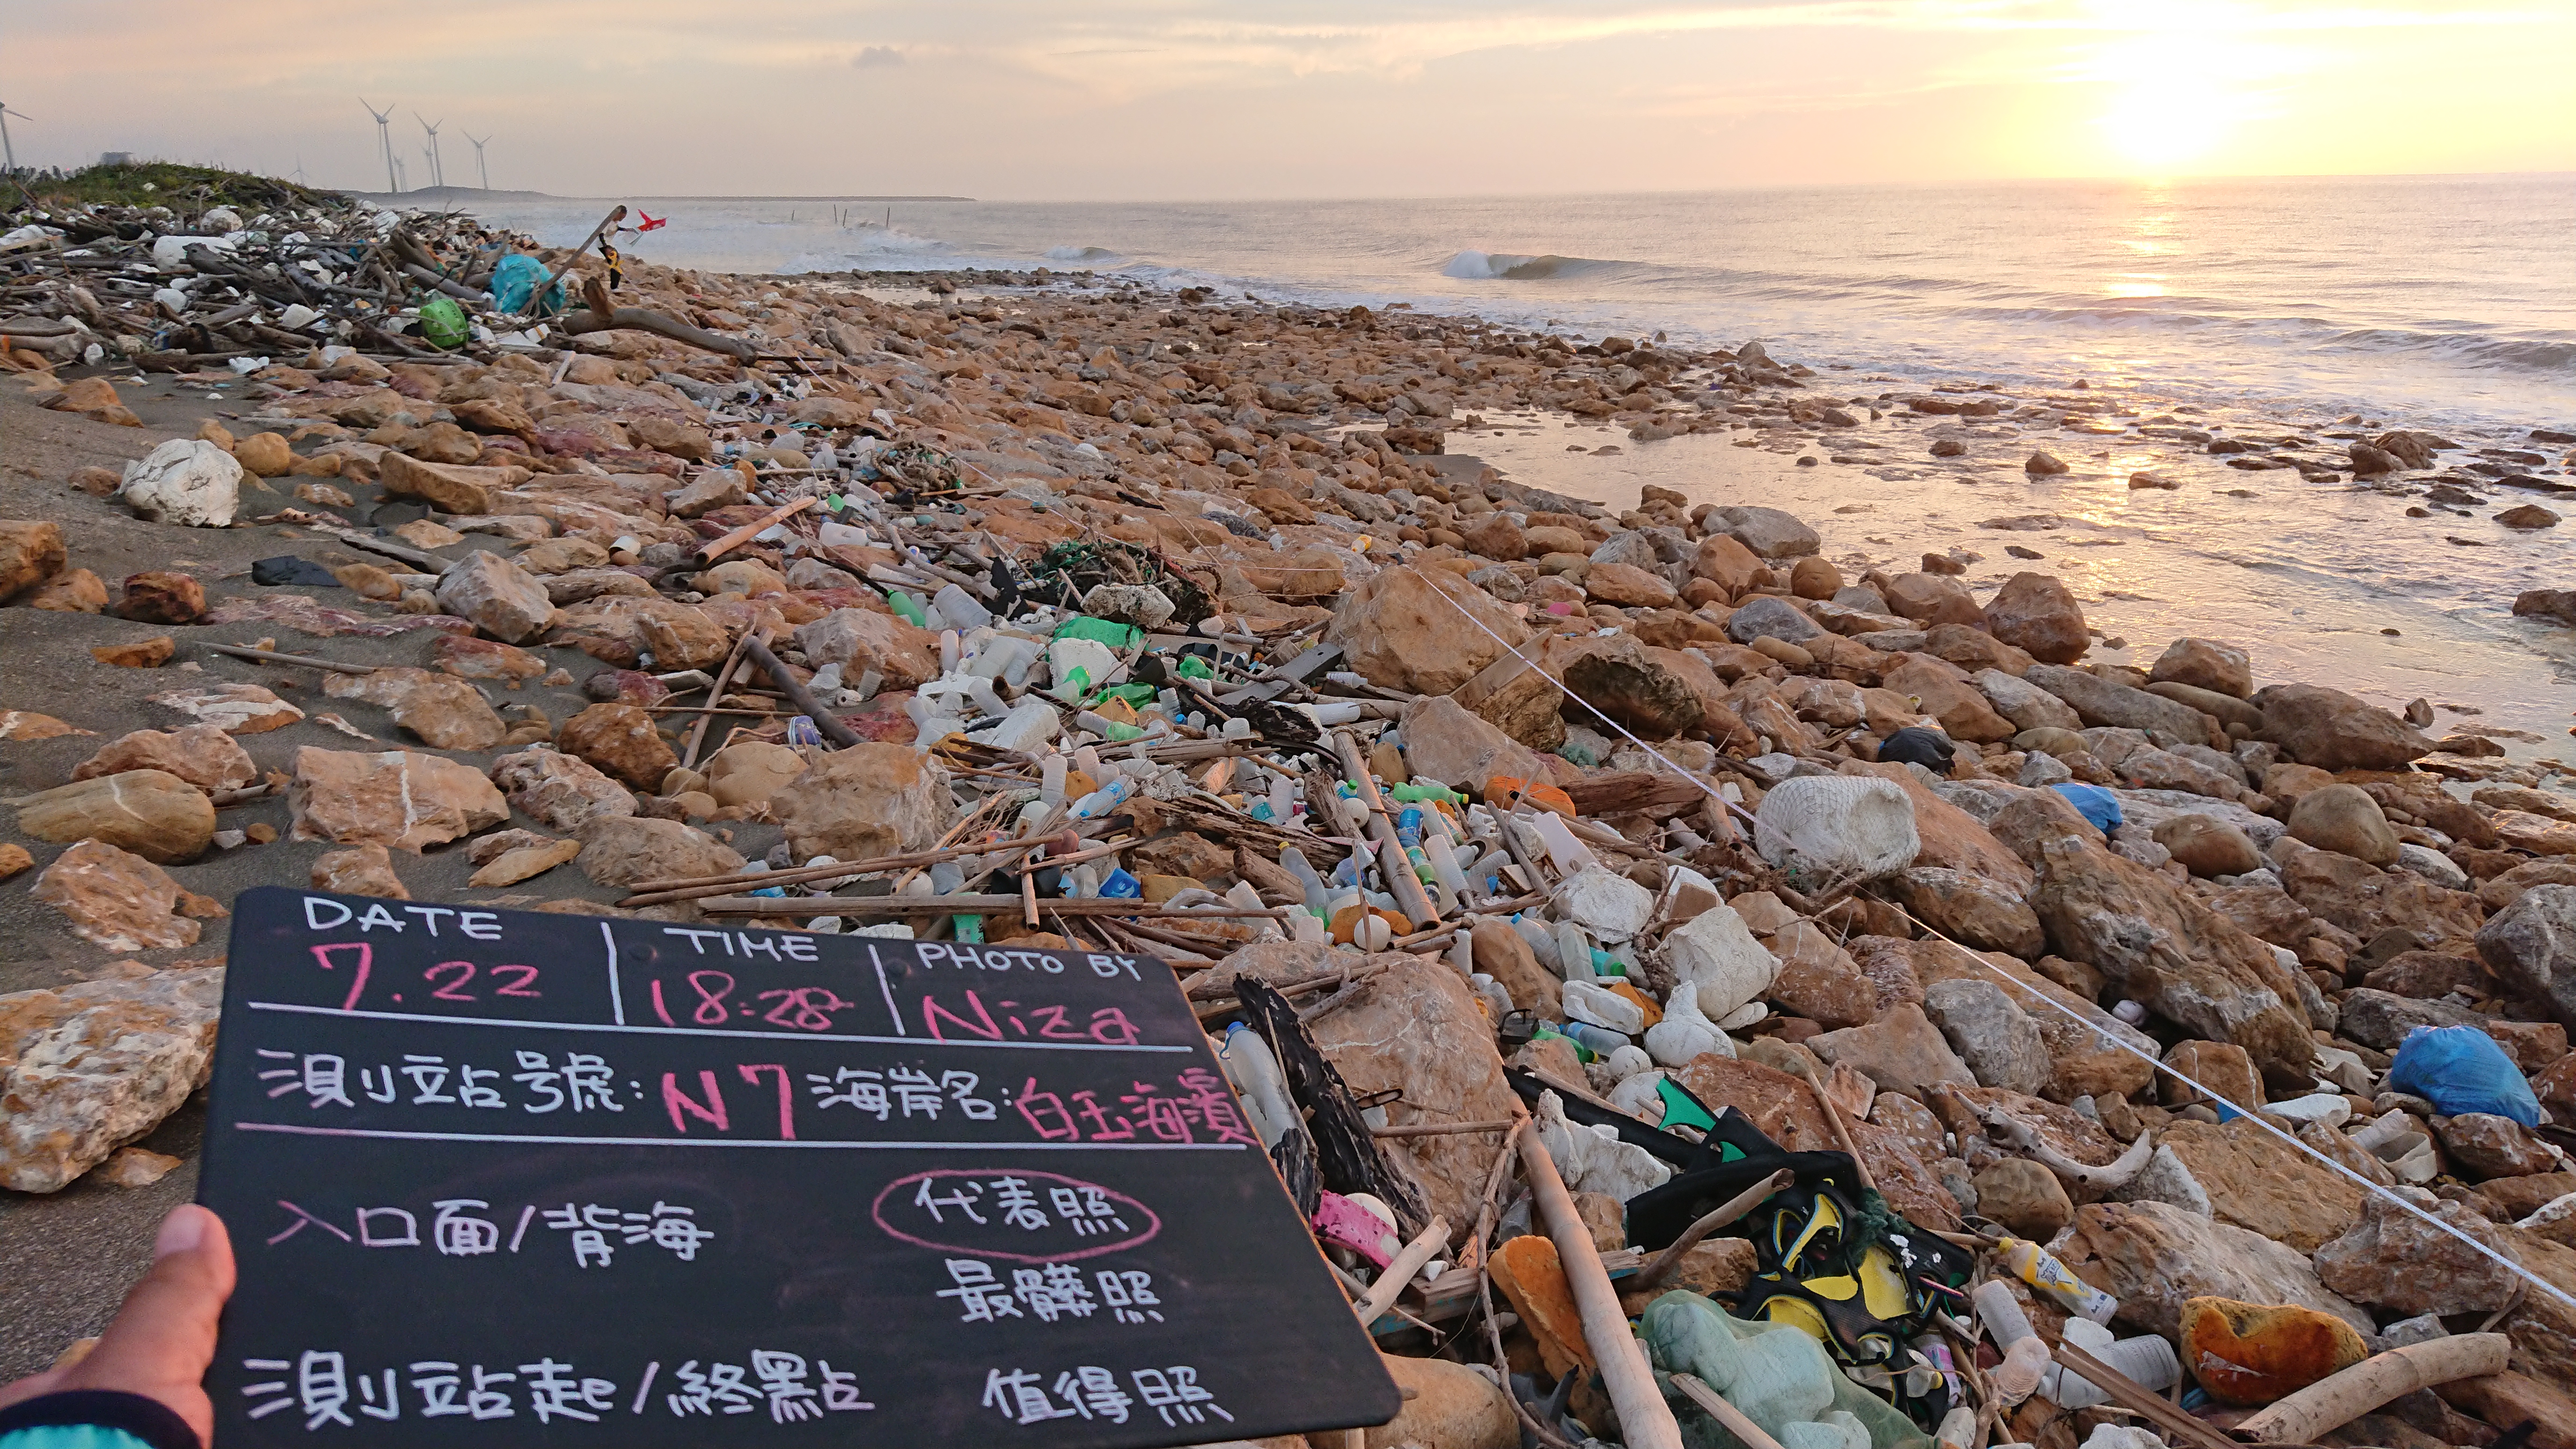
(1175, 99)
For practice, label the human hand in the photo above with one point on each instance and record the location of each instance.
(163, 1339)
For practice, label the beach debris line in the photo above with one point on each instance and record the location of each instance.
(1548, 878)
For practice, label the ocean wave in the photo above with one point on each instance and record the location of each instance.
(1084, 256)
(1473, 266)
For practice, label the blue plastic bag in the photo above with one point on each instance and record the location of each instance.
(2094, 803)
(2461, 1069)
(515, 277)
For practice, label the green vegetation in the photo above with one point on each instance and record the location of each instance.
(182, 188)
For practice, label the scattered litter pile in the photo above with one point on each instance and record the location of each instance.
(1697, 997)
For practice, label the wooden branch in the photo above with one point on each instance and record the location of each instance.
(640, 319)
(963, 905)
(1733, 1208)
(715, 697)
(1400, 1270)
(798, 695)
(719, 547)
(1734, 1420)
(547, 277)
(1645, 1420)
(2339, 1398)
(264, 656)
(1441, 1129)
(1400, 880)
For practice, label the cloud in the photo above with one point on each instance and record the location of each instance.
(876, 57)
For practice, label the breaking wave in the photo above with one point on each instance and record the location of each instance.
(1474, 266)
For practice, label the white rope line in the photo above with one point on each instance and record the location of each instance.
(2255, 1116)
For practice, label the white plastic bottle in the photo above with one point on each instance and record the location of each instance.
(1248, 1059)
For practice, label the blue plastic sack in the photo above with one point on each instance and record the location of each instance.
(515, 277)
(2094, 803)
(2461, 1069)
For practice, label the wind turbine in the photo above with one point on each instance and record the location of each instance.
(6, 147)
(384, 142)
(479, 169)
(437, 168)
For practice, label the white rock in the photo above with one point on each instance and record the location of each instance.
(1717, 954)
(1628, 1061)
(1588, 1000)
(2328, 1107)
(1641, 1096)
(2433, 865)
(1685, 1032)
(1609, 908)
(185, 481)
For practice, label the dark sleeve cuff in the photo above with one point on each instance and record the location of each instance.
(149, 1420)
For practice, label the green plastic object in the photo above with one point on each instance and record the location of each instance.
(1778, 1375)
(1415, 792)
(1099, 631)
(444, 325)
(907, 608)
(1681, 1109)
(1193, 667)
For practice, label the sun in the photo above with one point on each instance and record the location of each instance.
(2164, 124)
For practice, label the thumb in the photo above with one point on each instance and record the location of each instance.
(163, 1339)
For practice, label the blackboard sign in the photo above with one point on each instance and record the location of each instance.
(501, 1178)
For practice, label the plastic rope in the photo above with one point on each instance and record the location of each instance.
(2254, 1115)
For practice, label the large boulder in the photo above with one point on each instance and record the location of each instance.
(152, 813)
(1446, 1406)
(1447, 743)
(1971, 910)
(1728, 564)
(2255, 1180)
(2090, 1051)
(2027, 705)
(620, 741)
(1636, 689)
(2391, 1259)
(751, 772)
(863, 802)
(90, 1067)
(119, 900)
(2035, 613)
(452, 488)
(1764, 616)
(1995, 1038)
(398, 798)
(2205, 664)
(1767, 532)
(1419, 1027)
(184, 481)
(2154, 1257)
(447, 712)
(863, 639)
(1933, 599)
(1941, 692)
(2172, 952)
(2104, 702)
(557, 790)
(2332, 730)
(2531, 947)
(497, 596)
(2344, 819)
(619, 850)
(30, 553)
(1902, 1051)
(1421, 630)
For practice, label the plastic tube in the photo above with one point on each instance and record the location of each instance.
(2147, 1359)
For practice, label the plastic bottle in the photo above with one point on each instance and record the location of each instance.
(962, 608)
(1542, 943)
(1283, 800)
(2035, 1266)
(1599, 1039)
(1569, 854)
(1573, 951)
(1247, 1058)
(2025, 1363)
(2148, 1360)
(1103, 800)
(1318, 899)
(1444, 866)
(908, 608)
(1051, 772)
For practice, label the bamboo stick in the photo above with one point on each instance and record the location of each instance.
(1645, 1420)
(2339, 1398)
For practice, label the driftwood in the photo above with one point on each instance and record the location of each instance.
(1733, 1208)
(547, 277)
(640, 319)
(1645, 1420)
(1426, 1245)
(797, 694)
(2021, 1135)
(2339, 1398)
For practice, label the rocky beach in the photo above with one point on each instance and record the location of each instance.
(1540, 743)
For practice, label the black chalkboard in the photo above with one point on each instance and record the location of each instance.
(501, 1178)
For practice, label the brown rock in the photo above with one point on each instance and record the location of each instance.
(865, 801)
(1643, 690)
(685, 640)
(265, 454)
(1818, 979)
(2332, 730)
(621, 741)
(242, 709)
(1902, 1052)
(162, 597)
(1933, 599)
(365, 870)
(444, 711)
(75, 591)
(2208, 846)
(1446, 1406)
(2365, 900)
(2155, 1257)
(117, 900)
(2344, 819)
(30, 553)
(557, 790)
(14, 860)
(152, 813)
(1419, 1026)
(497, 596)
(149, 653)
(468, 657)
(2257, 1181)
(96, 1065)
(398, 798)
(1420, 630)
(135, 1167)
(2482, 1145)
(2205, 664)
(1729, 564)
(526, 862)
(1964, 713)
(1814, 578)
(619, 850)
(203, 755)
(1628, 586)
(1971, 910)
(1786, 1111)
(750, 773)
(95, 481)
(2035, 613)
(2025, 1197)
(2222, 1068)
(451, 488)
(2391, 1259)
(1503, 955)
(1493, 535)
(861, 639)
(1523, 702)
(713, 489)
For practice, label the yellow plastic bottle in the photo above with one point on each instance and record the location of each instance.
(2035, 1266)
